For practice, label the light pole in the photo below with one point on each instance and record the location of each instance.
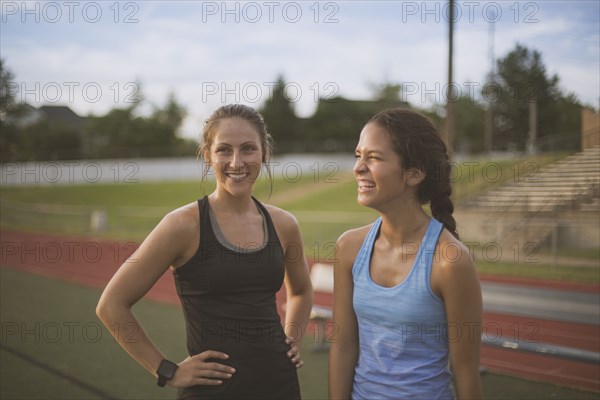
(450, 93)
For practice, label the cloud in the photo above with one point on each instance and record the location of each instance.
(185, 48)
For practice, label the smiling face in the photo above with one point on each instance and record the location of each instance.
(378, 171)
(236, 155)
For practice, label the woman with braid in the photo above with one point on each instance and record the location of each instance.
(407, 299)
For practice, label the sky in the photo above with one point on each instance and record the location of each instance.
(96, 55)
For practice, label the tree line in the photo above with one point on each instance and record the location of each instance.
(505, 98)
(27, 134)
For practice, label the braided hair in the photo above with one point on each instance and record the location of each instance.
(418, 144)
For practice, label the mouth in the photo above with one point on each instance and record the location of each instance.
(364, 185)
(237, 176)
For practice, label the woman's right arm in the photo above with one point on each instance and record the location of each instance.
(164, 247)
(343, 354)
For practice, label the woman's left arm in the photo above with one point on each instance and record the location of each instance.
(297, 283)
(461, 292)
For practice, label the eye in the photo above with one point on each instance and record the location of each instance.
(249, 148)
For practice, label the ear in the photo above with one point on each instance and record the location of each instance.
(414, 176)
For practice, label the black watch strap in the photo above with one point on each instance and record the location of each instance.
(166, 371)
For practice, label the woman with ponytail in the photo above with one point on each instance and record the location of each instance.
(407, 300)
(229, 254)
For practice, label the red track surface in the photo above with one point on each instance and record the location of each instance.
(93, 262)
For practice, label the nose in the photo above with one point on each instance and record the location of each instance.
(236, 160)
(359, 166)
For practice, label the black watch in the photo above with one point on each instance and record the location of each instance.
(166, 371)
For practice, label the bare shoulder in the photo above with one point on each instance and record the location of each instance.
(286, 225)
(350, 242)
(452, 255)
(452, 265)
(281, 218)
(180, 228)
(354, 237)
(183, 221)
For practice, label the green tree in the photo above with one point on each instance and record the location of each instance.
(162, 127)
(7, 92)
(10, 111)
(43, 140)
(278, 112)
(111, 135)
(387, 93)
(468, 125)
(337, 121)
(522, 78)
(568, 125)
(170, 116)
(123, 133)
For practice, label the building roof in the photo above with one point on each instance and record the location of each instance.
(63, 115)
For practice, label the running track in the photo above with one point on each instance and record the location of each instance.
(92, 262)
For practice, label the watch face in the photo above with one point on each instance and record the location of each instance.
(166, 369)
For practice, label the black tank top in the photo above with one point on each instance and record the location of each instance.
(228, 299)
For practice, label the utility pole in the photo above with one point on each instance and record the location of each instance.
(488, 132)
(532, 140)
(450, 95)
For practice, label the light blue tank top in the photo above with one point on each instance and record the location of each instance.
(402, 329)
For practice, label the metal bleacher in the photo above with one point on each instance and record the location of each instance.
(567, 184)
(525, 211)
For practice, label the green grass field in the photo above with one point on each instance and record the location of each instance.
(325, 208)
(541, 271)
(53, 347)
(134, 208)
(310, 192)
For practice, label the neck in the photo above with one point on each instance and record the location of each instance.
(226, 203)
(403, 223)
